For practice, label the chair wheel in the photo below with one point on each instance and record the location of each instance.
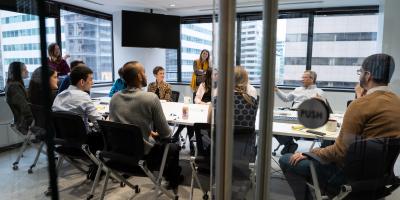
(122, 184)
(15, 167)
(89, 197)
(30, 171)
(137, 189)
(205, 196)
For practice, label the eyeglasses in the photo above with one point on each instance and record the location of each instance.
(359, 71)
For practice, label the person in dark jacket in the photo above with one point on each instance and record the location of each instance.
(17, 98)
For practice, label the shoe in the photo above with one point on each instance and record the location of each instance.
(174, 186)
(289, 148)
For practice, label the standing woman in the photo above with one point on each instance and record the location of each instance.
(56, 62)
(200, 67)
(160, 87)
(16, 96)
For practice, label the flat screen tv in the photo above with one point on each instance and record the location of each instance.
(150, 30)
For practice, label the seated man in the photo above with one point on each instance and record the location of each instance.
(143, 109)
(66, 82)
(76, 98)
(374, 115)
(298, 95)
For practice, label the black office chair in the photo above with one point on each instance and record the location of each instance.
(71, 140)
(125, 154)
(368, 169)
(175, 96)
(244, 154)
(39, 115)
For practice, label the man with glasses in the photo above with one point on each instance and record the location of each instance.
(307, 91)
(374, 115)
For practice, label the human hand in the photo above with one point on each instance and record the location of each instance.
(296, 158)
(359, 91)
(154, 134)
(66, 56)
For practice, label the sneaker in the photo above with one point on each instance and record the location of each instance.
(289, 148)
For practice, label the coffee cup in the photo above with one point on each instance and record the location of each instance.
(331, 125)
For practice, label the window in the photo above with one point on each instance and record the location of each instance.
(20, 41)
(291, 48)
(89, 39)
(194, 38)
(340, 44)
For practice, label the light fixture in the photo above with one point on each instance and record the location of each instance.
(172, 5)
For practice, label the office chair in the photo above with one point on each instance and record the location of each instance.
(244, 153)
(125, 154)
(71, 141)
(8, 111)
(39, 116)
(368, 169)
(175, 96)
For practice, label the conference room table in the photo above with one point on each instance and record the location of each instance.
(198, 113)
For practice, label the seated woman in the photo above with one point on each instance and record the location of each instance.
(203, 94)
(36, 92)
(16, 96)
(160, 87)
(119, 84)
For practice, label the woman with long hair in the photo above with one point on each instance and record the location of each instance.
(245, 105)
(203, 94)
(36, 92)
(200, 67)
(56, 62)
(16, 96)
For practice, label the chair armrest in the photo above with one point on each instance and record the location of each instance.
(312, 156)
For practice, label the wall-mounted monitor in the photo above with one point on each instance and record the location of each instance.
(150, 30)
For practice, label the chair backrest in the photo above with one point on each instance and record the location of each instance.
(371, 159)
(39, 114)
(175, 96)
(69, 127)
(244, 143)
(125, 139)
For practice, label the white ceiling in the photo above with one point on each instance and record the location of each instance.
(204, 7)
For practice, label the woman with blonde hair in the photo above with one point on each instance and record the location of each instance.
(200, 67)
(245, 105)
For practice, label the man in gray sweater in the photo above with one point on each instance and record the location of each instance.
(143, 109)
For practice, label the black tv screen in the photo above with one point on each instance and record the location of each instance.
(150, 30)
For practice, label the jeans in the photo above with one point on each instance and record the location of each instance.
(330, 177)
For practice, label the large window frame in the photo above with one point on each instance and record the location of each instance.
(283, 14)
(53, 11)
